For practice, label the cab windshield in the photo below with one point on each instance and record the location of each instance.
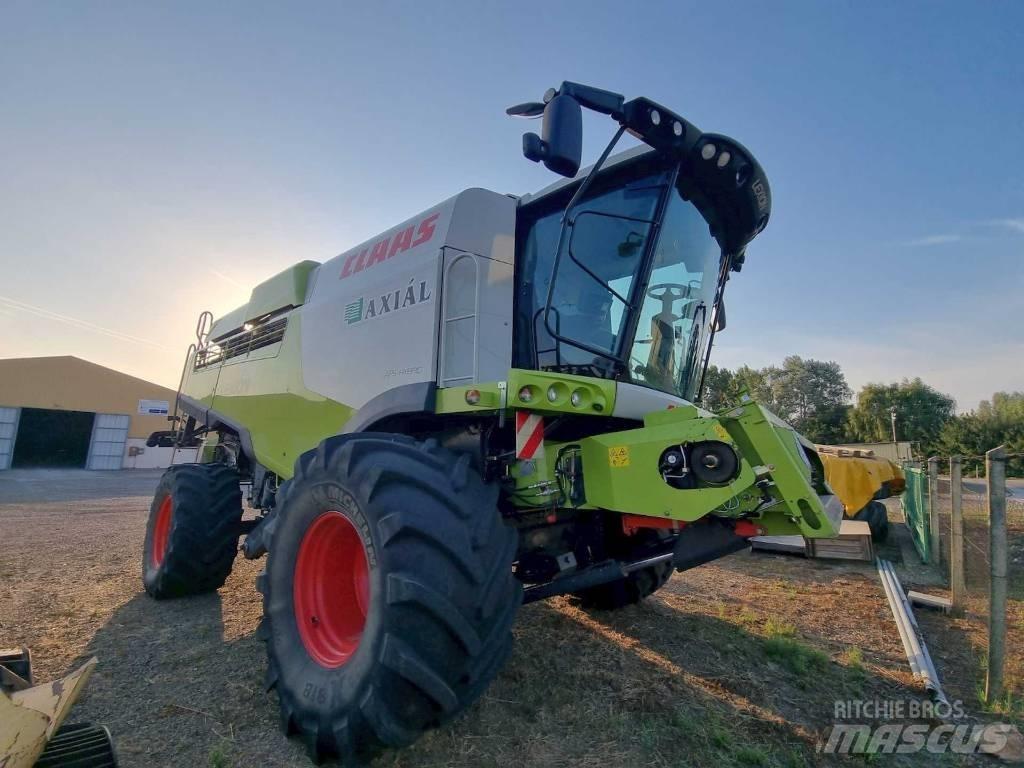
(607, 318)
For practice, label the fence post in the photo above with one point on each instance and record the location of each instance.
(933, 511)
(957, 586)
(995, 469)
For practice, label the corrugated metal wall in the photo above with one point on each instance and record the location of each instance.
(106, 449)
(8, 431)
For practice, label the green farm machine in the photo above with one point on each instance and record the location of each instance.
(489, 404)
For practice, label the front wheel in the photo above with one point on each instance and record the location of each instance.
(388, 593)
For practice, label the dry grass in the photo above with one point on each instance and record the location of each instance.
(737, 663)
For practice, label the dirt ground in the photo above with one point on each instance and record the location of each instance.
(737, 663)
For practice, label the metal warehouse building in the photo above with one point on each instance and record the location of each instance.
(67, 412)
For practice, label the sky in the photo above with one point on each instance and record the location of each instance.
(159, 159)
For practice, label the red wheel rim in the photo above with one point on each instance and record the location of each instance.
(331, 589)
(161, 531)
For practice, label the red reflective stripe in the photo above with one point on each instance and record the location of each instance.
(533, 442)
(529, 434)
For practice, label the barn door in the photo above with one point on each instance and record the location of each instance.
(8, 431)
(109, 433)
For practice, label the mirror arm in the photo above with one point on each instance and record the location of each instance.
(582, 188)
(595, 99)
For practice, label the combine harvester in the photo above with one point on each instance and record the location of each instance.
(490, 403)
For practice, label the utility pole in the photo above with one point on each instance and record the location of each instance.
(892, 417)
(995, 469)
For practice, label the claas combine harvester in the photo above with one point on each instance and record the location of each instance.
(489, 404)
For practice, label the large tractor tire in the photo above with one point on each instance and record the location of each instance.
(192, 535)
(635, 587)
(876, 516)
(388, 595)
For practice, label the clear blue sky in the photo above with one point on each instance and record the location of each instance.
(159, 159)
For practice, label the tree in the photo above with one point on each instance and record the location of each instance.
(810, 394)
(996, 422)
(722, 387)
(719, 389)
(921, 413)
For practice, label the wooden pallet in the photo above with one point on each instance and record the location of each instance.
(852, 543)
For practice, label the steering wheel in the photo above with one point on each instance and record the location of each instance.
(669, 294)
(669, 291)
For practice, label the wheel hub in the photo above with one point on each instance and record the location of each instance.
(331, 589)
(161, 531)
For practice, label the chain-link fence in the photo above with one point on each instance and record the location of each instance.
(915, 510)
(928, 505)
(974, 503)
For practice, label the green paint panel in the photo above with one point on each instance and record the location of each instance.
(284, 426)
(453, 399)
(263, 391)
(620, 469)
(620, 472)
(283, 290)
(200, 385)
(779, 453)
(596, 396)
(225, 324)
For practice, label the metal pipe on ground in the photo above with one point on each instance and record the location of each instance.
(933, 673)
(920, 660)
(912, 656)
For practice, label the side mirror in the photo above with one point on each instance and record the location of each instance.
(720, 316)
(560, 145)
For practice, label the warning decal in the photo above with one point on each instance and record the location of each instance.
(618, 456)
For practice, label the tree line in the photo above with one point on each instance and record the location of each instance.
(815, 398)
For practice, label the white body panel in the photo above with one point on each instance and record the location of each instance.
(372, 317)
(633, 401)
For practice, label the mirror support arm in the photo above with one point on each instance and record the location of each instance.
(582, 188)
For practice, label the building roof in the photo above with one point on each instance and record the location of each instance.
(69, 383)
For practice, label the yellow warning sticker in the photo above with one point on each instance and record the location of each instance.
(720, 431)
(618, 456)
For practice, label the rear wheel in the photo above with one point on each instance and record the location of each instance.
(638, 584)
(193, 530)
(388, 593)
(876, 515)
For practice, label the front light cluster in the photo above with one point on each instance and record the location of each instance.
(559, 393)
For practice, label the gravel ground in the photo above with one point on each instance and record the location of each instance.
(735, 663)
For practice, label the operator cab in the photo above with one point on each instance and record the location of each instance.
(620, 270)
(634, 298)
